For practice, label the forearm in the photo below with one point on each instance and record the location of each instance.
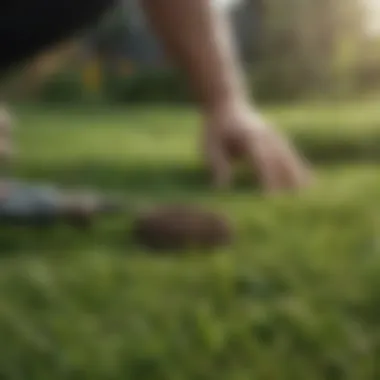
(199, 40)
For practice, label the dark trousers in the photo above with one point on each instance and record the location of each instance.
(29, 26)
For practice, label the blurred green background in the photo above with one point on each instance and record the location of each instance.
(291, 50)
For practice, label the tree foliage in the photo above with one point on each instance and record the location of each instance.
(306, 45)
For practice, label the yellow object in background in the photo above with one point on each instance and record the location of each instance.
(92, 76)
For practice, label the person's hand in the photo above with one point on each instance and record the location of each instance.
(238, 133)
(5, 135)
(6, 150)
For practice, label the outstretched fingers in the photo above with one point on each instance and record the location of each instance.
(276, 162)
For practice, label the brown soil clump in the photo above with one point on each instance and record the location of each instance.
(181, 227)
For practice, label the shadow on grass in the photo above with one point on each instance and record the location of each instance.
(335, 149)
(160, 180)
(111, 234)
(155, 184)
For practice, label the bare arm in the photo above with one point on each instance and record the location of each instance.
(198, 38)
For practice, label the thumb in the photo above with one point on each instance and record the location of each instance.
(217, 161)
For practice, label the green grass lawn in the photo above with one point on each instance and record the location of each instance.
(297, 296)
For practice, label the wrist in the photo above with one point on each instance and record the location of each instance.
(225, 108)
(219, 95)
